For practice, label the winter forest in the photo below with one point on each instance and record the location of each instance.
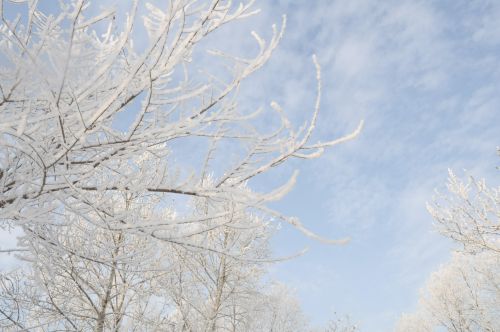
(274, 166)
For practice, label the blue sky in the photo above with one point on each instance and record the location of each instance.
(424, 76)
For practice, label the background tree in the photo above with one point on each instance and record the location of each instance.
(341, 324)
(470, 214)
(464, 294)
(213, 290)
(87, 275)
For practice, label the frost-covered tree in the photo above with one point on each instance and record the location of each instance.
(214, 291)
(464, 294)
(414, 322)
(470, 214)
(87, 273)
(105, 279)
(279, 310)
(122, 229)
(80, 101)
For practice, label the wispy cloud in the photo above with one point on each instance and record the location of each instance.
(424, 75)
